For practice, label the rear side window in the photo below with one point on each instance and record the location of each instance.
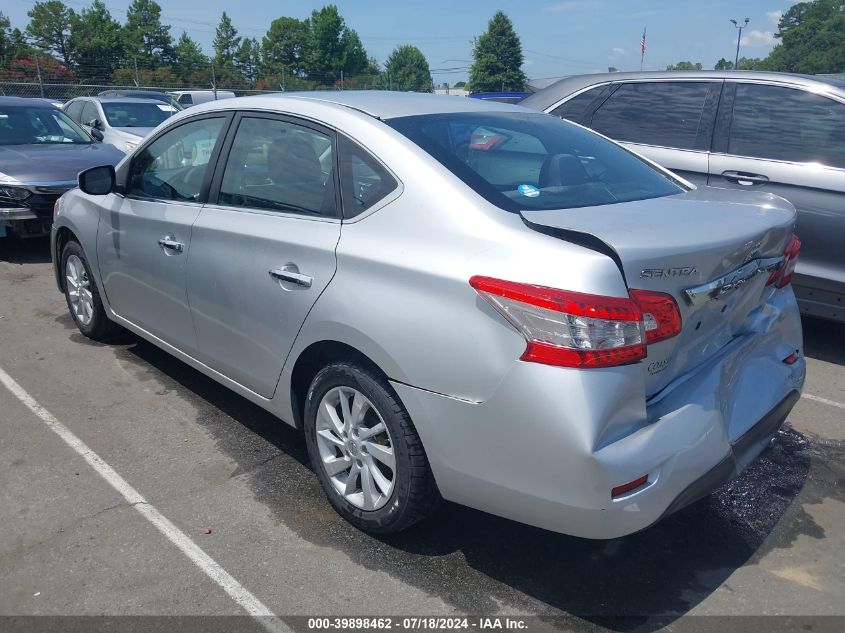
(787, 124)
(577, 107)
(664, 113)
(363, 180)
(174, 166)
(534, 161)
(279, 166)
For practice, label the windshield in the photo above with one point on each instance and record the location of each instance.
(130, 114)
(534, 161)
(25, 125)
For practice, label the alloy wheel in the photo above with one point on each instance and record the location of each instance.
(79, 290)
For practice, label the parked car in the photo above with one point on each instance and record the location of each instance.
(119, 121)
(163, 97)
(452, 298)
(773, 132)
(188, 98)
(501, 97)
(41, 153)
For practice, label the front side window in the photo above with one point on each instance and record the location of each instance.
(534, 161)
(363, 180)
(279, 166)
(24, 125)
(174, 166)
(663, 113)
(89, 113)
(787, 124)
(148, 114)
(74, 109)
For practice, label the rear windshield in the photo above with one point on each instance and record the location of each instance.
(25, 125)
(136, 114)
(534, 161)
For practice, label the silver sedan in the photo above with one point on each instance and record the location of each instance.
(453, 299)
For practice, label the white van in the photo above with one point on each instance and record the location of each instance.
(187, 98)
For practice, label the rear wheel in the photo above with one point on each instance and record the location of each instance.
(83, 298)
(365, 450)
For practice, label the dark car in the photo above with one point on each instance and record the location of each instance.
(144, 94)
(752, 131)
(41, 153)
(501, 97)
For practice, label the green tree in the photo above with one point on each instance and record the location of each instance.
(460, 84)
(97, 41)
(146, 39)
(49, 27)
(749, 63)
(812, 39)
(190, 64)
(685, 66)
(285, 45)
(248, 60)
(498, 58)
(333, 47)
(226, 42)
(408, 69)
(724, 64)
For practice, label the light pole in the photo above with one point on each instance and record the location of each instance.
(738, 38)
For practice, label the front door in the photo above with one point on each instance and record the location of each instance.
(145, 237)
(263, 253)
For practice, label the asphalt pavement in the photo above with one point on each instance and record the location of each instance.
(236, 484)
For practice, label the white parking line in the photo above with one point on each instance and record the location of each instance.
(831, 403)
(208, 565)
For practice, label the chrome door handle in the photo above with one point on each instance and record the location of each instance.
(291, 276)
(171, 244)
(744, 178)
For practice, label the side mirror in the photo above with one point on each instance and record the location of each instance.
(97, 181)
(97, 135)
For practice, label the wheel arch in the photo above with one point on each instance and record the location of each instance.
(63, 236)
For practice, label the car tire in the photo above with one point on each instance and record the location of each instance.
(83, 296)
(412, 494)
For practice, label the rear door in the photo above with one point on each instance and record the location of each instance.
(791, 142)
(670, 122)
(263, 249)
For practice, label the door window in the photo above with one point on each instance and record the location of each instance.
(363, 180)
(174, 166)
(89, 113)
(666, 113)
(787, 124)
(74, 109)
(279, 166)
(576, 108)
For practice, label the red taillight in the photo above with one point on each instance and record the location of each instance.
(661, 314)
(568, 329)
(618, 491)
(783, 275)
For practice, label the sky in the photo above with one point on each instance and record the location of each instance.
(559, 38)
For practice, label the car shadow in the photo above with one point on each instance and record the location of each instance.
(824, 340)
(33, 250)
(477, 563)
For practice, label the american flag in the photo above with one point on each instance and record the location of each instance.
(642, 44)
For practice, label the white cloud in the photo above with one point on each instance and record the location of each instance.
(757, 38)
(619, 52)
(774, 16)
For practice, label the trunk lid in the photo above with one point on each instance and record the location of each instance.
(678, 243)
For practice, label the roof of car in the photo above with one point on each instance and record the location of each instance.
(555, 92)
(376, 103)
(118, 99)
(36, 102)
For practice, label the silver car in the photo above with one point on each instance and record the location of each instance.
(453, 299)
(119, 121)
(773, 132)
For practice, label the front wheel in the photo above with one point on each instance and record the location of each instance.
(83, 298)
(365, 450)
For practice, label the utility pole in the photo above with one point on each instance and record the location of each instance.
(283, 78)
(341, 80)
(738, 38)
(137, 83)
(213, 81)
(38, 70)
